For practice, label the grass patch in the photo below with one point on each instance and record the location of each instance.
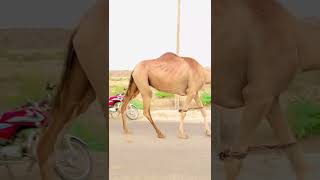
(32, 55)
(205, 98)
(117, 90)
(137, 103)
(304, 117)
(161, 94)
(30, 88)
(95, 139)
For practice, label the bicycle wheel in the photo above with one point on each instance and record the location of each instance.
(74, 163)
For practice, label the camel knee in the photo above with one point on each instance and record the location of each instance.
(257, 98)
(191, 93)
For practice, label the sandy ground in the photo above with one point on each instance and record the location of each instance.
(143, 156)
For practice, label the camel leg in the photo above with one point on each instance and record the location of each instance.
(253, 113)
(204, 115)
(60, 117)
(283, 132)
(132, 95)
(82, 107)
(183, 113)
(146, 93)
(146, 96)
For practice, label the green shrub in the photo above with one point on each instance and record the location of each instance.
(137, 103)
(304, 118)
(205, 98)
(161, 94)
(91, 137)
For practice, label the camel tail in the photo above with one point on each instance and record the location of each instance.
(131, 93)
(69, 62)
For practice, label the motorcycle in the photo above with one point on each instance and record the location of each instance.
(20, 130)
(114, 107)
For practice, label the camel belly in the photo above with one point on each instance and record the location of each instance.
(170, 85)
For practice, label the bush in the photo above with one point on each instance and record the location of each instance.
(205, 98)
(304, 117)
(161, 94)
(137, 103)
(92, 136)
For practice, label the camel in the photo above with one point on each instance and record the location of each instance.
(82, 82)
(259, 47)
(169, 73)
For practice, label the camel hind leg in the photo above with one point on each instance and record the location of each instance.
(82, 107)
(131, 93)
(146, 93)
(61, 116)
(146, 96)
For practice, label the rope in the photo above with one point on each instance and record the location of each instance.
(238, 155)
(186, 110)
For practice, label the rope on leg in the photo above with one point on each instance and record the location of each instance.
(228, 154)
(186, 110)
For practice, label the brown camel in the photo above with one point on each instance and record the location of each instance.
(82, 82)
(259, 47)
(169, 73)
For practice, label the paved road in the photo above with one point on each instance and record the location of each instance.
(143, 156)
(266, 167)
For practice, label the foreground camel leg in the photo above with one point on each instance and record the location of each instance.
(183, 113)
(132, 93)
(60, 117)
(82, 107)
(283, 132)
(252, 115)
(204, 115)
(146, 96)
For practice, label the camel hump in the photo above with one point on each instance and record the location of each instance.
(169, 55)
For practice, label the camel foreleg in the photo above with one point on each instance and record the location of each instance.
(183, 112)
(60, 119)
(252, 115)
(204, 115)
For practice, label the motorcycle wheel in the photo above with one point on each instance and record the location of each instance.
(75, 164)
(116, 114)
(132, 113)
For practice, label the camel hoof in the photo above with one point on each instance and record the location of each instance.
(161, 136)
(183, 136)
(127, 132)
(208, 133)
